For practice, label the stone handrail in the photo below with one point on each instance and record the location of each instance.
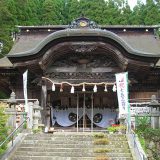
(136, 146)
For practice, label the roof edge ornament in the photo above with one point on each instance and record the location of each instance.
(83, 22)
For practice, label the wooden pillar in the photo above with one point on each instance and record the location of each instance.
(77, 110)
(43, 104)
(43, 94)
(84, 114)
(92, 112)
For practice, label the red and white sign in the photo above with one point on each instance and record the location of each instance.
(122, 92)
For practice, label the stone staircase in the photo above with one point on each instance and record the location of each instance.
(72, 146)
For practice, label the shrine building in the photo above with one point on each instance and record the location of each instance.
(71, 69)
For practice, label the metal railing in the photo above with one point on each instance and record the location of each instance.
(139, 153)
(11, 135)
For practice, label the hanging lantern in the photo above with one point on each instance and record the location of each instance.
(114, 89)
(83, 89)
(95, 88)
(105, 88)
(61, 88)
(53, 87)
(72, 89)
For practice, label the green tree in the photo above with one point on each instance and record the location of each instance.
(111, 14)
(152, 15)
(3, 128)
(5, 27)
(92, 9)
(126, 14)
(71, 10)
(53, 12)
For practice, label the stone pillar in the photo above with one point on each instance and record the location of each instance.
(11, 111)
(47, 126)
(153, 118)
(155, 112)
(30, 115)
(36, 114)
(43, 102)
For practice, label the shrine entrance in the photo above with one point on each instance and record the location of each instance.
(86, 106)
(83, 111)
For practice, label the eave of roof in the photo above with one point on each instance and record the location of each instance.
(81, 33)
(158, 64)
(101, 26)
(5, 63)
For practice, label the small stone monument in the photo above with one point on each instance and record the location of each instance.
(36, 114)
(155, 112)
(11, 111)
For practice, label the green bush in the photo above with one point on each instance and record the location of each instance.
(3, 128)
(148, 136)
(117, 128)
(112, 129)
(3, 95)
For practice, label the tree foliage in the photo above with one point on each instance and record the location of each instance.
(3, 128)
(55, 12)
(150, 136)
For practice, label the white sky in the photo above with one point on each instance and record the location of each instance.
(132, 3)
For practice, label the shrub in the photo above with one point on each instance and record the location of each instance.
(112, 129)
(142, 123)
(3, 127)
(149, 137)
(117, 128)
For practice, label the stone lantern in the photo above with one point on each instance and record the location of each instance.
(155, 112)
(36, 114)
(12, 100)
(11, 111)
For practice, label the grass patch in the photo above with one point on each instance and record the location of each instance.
(39, 130)
(143, 143)
(99, 135)
(101, 150)
(102, 141)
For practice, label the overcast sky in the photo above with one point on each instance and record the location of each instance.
(132, 3)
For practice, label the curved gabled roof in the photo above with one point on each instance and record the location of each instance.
(86, 33)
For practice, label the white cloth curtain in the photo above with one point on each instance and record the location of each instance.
(62, 116)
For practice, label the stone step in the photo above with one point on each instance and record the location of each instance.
(50, 158)
(64, 158)
(71, 154)
(76, 135)
(111, 155)
(73, 138)
(46, 145)
(67, 150)
(71, 134)
(62, 149)
(73, 142)
(71, 146)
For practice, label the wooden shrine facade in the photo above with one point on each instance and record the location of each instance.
(82, 52)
